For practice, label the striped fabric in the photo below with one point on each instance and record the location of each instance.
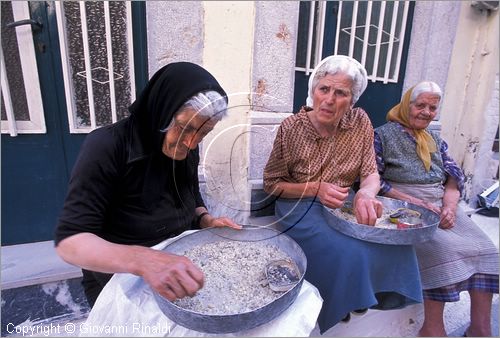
(452, 255)
(451, 293)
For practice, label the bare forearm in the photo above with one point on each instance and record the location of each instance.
(370, 184)
(366, 207)
(451, 193)
(91, 252)
(172, 276)
(295, 190)
(396, 194)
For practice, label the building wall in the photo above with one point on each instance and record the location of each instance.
(275, 44)
(486, 164)
(175, 31)
(456, 46)
(434, 28)
(431, 43)
(217, 35)
(273, 78)
(470, 106)
(229, 31)
(250, 48)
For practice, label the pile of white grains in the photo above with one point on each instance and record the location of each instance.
(235, 280)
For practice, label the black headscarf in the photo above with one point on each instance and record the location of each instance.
(168, 89)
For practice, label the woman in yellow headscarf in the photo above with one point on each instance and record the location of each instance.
(414, 166)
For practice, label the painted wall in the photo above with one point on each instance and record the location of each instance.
(431, 43)
(456, 46)
(229, 31)
(469, 114)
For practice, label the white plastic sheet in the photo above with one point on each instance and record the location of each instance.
(126, 307)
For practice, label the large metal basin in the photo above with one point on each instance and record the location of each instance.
(383, 235)
(241, 321)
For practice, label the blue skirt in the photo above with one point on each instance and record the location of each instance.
(350, 274)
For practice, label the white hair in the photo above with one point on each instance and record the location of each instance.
(425, 87)
(208, 103)
(339, 64)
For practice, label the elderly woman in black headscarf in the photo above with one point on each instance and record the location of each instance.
(135, 184)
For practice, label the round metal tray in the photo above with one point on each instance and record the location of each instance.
(241, 321)
(383, 235)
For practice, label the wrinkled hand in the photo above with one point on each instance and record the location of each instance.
(367, 208)
(332, 195)
(447, 217)
(223, 222)
(172, 276)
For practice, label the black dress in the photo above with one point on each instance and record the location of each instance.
(122, 187)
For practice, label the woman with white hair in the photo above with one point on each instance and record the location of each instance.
(415, 166)
(318, 154)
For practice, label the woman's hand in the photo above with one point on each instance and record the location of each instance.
(170, 275)
(331, 195)
(447, 217)
(208, 221)
(213, 222)
(450, 201)
(367, 208)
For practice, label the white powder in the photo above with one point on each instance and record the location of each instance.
(235, 280)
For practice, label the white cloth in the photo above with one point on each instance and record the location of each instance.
(126, 307)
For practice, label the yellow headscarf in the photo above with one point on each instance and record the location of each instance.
(425, 143)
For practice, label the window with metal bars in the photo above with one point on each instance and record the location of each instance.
(372, 32)
(98, 62)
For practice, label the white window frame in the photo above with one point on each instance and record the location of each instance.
(36, 122)
(68, 84)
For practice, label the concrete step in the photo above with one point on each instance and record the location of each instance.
(38, 289)
(406, 322)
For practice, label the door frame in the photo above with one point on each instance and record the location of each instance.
(36, 167)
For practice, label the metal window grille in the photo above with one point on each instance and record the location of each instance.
(97, 59)
(372, 32)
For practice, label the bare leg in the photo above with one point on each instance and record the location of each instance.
(433, 325)
(480, 314)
